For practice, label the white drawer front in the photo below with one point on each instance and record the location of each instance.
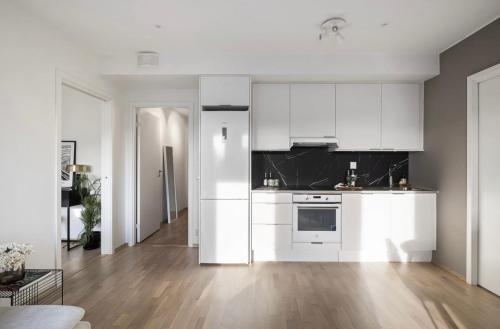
(308, 252)
(271, 242)
(259, 197)
(269, 213)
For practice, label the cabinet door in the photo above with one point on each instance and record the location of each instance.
(268, 213)
(312, 111)
(225, 90)
(413, 221)
(271, 117)
(366, 223)
(271, 242)
(358, 112)
(401, 117)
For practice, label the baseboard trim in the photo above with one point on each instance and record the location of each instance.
(123, 246)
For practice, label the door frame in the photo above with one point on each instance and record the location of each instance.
(65, 79)
(131, 170)
(473, 82)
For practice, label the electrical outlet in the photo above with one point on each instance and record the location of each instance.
(354, 165)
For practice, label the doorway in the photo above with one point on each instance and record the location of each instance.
(162, 156)
(84, 167)
(483, 179)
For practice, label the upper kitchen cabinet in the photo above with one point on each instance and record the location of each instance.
(358, 112)
(312, 112)
(402, 127)
(225, 90)
(271, 117)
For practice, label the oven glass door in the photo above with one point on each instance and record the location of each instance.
(316, 223)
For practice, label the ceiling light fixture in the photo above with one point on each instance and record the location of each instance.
(331, 28)
(148, 59)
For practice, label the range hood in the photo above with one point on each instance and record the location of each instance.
(330, 142)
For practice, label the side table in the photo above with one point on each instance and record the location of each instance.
(39, 286)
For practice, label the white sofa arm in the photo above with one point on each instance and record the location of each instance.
(42, 317)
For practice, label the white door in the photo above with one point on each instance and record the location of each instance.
(271, 117)
(358, 112)
(225, 171)
(312, 110)
(489, 185)
(149, 178)
(224, 232)
(401, 117)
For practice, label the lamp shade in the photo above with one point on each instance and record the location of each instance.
(78, 168)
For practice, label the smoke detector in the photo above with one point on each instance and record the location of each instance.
(148, 59)
(330, 29)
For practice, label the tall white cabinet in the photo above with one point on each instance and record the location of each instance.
(358, 112)
(402, 120)
(271, 117)
(312, 110)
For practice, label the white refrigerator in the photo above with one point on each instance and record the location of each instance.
(224, 186)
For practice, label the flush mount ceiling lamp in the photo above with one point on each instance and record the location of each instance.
(148, 59)
(330, 29)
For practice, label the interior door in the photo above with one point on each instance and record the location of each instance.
(149, 178)
(489, 185)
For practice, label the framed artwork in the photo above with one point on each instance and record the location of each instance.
(68, 156)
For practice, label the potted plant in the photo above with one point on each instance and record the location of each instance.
(90, 194)
(12, 259)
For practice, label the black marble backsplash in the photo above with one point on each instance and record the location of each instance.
(315, 166)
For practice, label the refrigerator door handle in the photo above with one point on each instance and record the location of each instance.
(224, 134)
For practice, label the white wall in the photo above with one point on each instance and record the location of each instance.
(81, 122)
(31, 53)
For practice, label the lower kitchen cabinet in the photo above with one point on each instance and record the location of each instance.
(413, 218)
(388, 227)
(366, 224)
(271, 242)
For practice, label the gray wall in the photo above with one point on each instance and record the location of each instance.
(444, 163)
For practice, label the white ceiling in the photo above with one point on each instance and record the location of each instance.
(264, 27)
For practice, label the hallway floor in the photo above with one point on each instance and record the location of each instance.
(175, 233)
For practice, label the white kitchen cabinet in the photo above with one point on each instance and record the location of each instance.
(388, 226)
(271, 117)
(312, 110)
(224, 90)
(402, 117)
(271, 242)
(358, 115)
(225, 223)
(413, 221)
(366, 225)
(271, 197)
(269, 213)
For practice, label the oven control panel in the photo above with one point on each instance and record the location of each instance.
(317, 198)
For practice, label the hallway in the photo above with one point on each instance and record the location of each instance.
(174, 234)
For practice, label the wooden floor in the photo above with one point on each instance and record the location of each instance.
(162, 286)
(175, 233)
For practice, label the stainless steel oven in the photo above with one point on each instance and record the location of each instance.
(317, 218)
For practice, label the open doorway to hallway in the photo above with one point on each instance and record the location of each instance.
(83, 157)
(162, 175)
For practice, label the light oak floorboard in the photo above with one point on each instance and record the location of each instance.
(162, 286)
